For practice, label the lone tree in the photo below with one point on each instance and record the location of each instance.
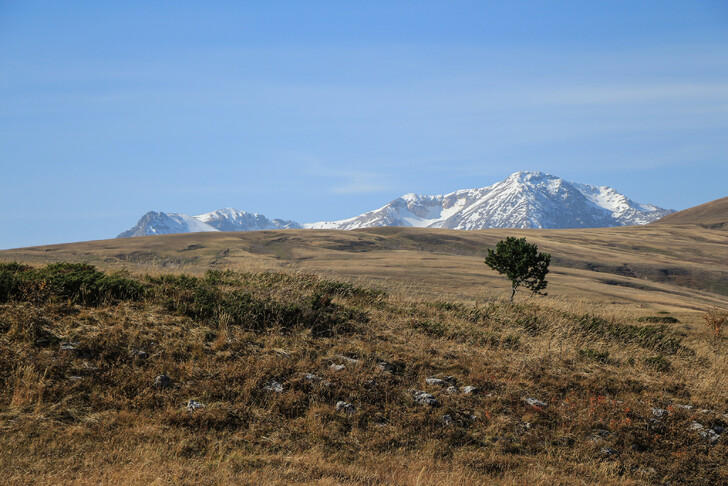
(521, 262)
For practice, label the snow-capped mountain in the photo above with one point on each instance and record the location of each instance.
(231, 219)
(523, 200)
(228, 219)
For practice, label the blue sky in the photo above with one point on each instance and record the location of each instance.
(323, 110)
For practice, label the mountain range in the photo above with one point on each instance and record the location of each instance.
(523, 200)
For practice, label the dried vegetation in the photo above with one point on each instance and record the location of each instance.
(257, 363)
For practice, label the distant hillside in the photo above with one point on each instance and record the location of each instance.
(713, 215)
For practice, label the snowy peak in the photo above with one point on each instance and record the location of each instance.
(231, 219)
(159, 223)
(227, 219)
(523, 200)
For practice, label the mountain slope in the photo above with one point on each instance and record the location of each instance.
(523, 200)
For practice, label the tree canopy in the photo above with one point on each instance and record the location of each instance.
(521, 262)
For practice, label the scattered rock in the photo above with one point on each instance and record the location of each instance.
(311, 377)
(646, 471)
(274, 387)
(338, 367)
(447, 420)
(608, 451)
(658, 412)
(70, 346)
(384, 366)
(347, 408)
(139, 354)
(470, 390)
(162, 381)
(193, 405)
(75, 378)
(347, 359)
(684, 407)
(535, 403)
(425, 398)
(599, 435)
(452, 390)
(711, 435)
(441, 380)
(282, 352)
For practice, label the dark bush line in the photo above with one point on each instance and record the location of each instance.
(216, 297)
(658, 338)
(658, 319)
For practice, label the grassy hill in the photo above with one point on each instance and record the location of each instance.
(283, 377)
(713, 215)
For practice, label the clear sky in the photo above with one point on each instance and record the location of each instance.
(315, 111)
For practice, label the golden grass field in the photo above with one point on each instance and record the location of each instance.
(619, 397)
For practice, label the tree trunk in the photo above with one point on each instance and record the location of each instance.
(513, 293)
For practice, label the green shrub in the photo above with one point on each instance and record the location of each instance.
(658, 338)
(659, 363)
(658, 319)
(75, 282)
(431, 328)
(595, 355)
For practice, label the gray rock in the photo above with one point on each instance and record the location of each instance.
(658, 412)
(535, 403)
(70, 346)
(273, 387)
(347, 408)
(608, 451)
(193, 405)
(347, 359)
(384, 366)
(311, 377)
(338, 367)
(162, 381)
(425, 398)
(710, 434)
(139, 354)
(470, 390)
(435, 381)
(447, 420)
(452, 390)
(75, 378)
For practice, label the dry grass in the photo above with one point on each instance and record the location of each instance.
(91, 415)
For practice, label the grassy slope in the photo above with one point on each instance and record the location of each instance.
(92, 415)
(713, 214)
